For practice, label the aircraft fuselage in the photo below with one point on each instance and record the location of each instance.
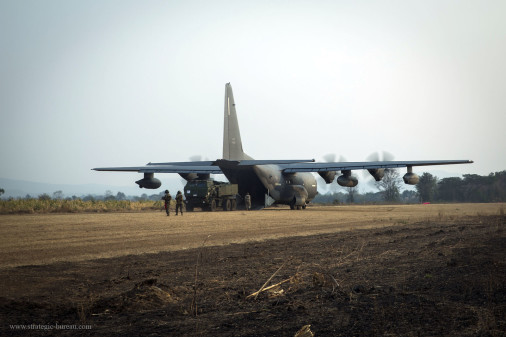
(260, 180)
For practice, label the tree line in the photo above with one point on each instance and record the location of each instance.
(107, 196)
(469, 188)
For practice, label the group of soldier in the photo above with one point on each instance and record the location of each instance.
(179, 202)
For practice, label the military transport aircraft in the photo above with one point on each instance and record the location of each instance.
(270, 181)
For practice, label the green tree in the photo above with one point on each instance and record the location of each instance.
(156, 197)
(2, 191)
(476, 188)
(352, 191)
(408, 196)
(58, 195)
(89, 197)
(450, 189)
(498, 188)
(109, 195)
(44, 196)
(143, 197)
(427, 187)
(390, 185)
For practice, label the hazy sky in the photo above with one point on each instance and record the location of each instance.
(88, 84)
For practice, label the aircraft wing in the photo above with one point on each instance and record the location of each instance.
(287, 166)
(340, 166)
(200, 167)
(151, 168)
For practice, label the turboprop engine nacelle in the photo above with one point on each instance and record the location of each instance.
(377, 173)
(411, 178)
(149, 181)
(328, 176)
(347, 180)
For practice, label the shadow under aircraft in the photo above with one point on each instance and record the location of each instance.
(289, 182)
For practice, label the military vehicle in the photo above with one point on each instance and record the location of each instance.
(210, 195)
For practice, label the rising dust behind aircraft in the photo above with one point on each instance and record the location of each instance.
(270, 181)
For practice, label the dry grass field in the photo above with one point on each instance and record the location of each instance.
(45, 238)
(399, 270)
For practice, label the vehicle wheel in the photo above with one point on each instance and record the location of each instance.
(227, 205)
(213, 205)
(292, 204)
(234, 205)
(189, 208)
(304, 206)
(299, 207)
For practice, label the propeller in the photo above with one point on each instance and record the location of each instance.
(196, 157)
(322, 184)
(372, 178)
(380, 156)
(329, 157)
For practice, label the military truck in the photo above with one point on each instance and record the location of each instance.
(210, 195)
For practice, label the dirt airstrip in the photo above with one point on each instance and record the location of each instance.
(407, 270)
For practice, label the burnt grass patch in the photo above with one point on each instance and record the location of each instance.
(446, 277)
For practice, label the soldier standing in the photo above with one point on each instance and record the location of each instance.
(179, 202)
(167, 197)
(247, 201)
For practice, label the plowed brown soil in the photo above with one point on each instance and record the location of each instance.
(419, 270)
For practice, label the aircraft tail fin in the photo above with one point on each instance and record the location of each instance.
(232, 144)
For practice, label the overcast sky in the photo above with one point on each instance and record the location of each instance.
(87, 84)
